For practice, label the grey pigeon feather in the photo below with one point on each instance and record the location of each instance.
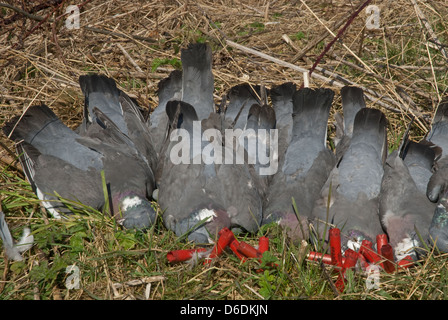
(252, 124)
(194, 85)
(14, 250)
(420, 160)
(352, 101)
(168, 89)
(197, 78)
(438, 229)
(260, 120)
(261, 144)
(101, 92)
(240, 99)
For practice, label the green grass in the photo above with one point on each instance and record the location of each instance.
(251, 28)
(157, 62)
(108, 257)
(299, 36)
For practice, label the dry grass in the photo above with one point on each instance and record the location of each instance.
(137, 43)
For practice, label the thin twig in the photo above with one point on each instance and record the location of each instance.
(22, 12)
(369, 69)
(334, 35)
(339, 34)
(132, 61)
(55, 40)
(381, 78)
(92, 29)
(373, 96)
(313, 43)
(47, 17)
(36, 8)
(119, 34)
(330, 281)
(278, 61)
(137, 282)
(432, 36)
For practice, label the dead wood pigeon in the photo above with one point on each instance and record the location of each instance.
(437, 190)
(349, 199)
(438, 134)
(352, 101)
(102, 93)
(58, 162)
(200, 196)
(405, 210)
(306, 166)
(199, 192)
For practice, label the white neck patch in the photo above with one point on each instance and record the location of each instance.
(405, 247)
(205, 215)
(354, 244)
(129, 202)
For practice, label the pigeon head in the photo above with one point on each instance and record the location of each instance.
(136, 212)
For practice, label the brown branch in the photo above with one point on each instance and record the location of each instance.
(120, 35)
(339, 34)
(335, 80)
(432, 35)
(414, 88)
(92, 29)
(60, 53)
(34, 9)
(313, 43)
(40, 23)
